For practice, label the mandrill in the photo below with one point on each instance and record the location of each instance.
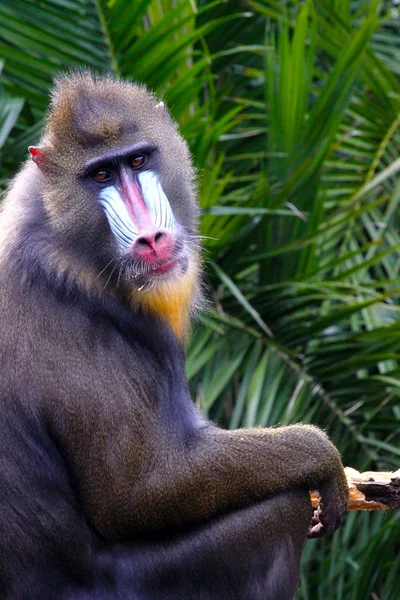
(112, 484)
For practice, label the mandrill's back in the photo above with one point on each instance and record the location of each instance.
(44, 539)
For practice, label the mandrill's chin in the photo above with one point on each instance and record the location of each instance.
(169, 295)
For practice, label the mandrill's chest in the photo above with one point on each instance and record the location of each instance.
(88, 354)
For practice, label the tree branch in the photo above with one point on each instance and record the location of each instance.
(371, 490)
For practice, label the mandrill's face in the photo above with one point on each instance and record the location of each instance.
(118, 181)
(150, 243)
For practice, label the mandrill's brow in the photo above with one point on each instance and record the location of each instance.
(117, 154)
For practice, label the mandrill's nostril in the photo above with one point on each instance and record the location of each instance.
(142, 241)
(150, 240)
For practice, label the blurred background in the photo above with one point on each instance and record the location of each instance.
(292, 113)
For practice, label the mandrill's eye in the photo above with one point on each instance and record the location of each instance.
(102, 175)
(138, 161)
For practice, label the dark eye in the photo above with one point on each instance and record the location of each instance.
(102, 175)
(138, 161)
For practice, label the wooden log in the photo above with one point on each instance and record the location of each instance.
(372, 490)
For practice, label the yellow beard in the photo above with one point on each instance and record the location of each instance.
(170, 300)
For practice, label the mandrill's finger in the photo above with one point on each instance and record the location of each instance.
(324, 523)
(330, 512)
(316, 517)
(316, 531)
(316, 528)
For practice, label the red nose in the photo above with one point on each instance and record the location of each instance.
(153, 246)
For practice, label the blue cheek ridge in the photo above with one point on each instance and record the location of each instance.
(156, 201)
(118, 218)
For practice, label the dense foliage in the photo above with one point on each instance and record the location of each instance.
(292, 112)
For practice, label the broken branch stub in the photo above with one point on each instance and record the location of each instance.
(371, 490)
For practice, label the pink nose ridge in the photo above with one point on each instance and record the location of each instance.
(153, 246)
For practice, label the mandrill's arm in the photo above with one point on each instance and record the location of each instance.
(143, 458)
(219, 470)
(175, 482)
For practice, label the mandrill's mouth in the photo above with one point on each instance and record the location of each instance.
(146, 275)
(165, 267)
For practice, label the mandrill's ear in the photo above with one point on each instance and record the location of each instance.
(39, 156)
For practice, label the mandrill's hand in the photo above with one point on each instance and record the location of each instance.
(334, 495)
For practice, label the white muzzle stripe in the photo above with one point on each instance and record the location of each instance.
(156, 201)
(118, 217)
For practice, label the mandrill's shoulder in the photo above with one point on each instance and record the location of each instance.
(23, 224)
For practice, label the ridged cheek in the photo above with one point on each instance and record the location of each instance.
(156, 201)
(119, 219)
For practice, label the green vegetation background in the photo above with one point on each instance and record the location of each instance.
(292, 113)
